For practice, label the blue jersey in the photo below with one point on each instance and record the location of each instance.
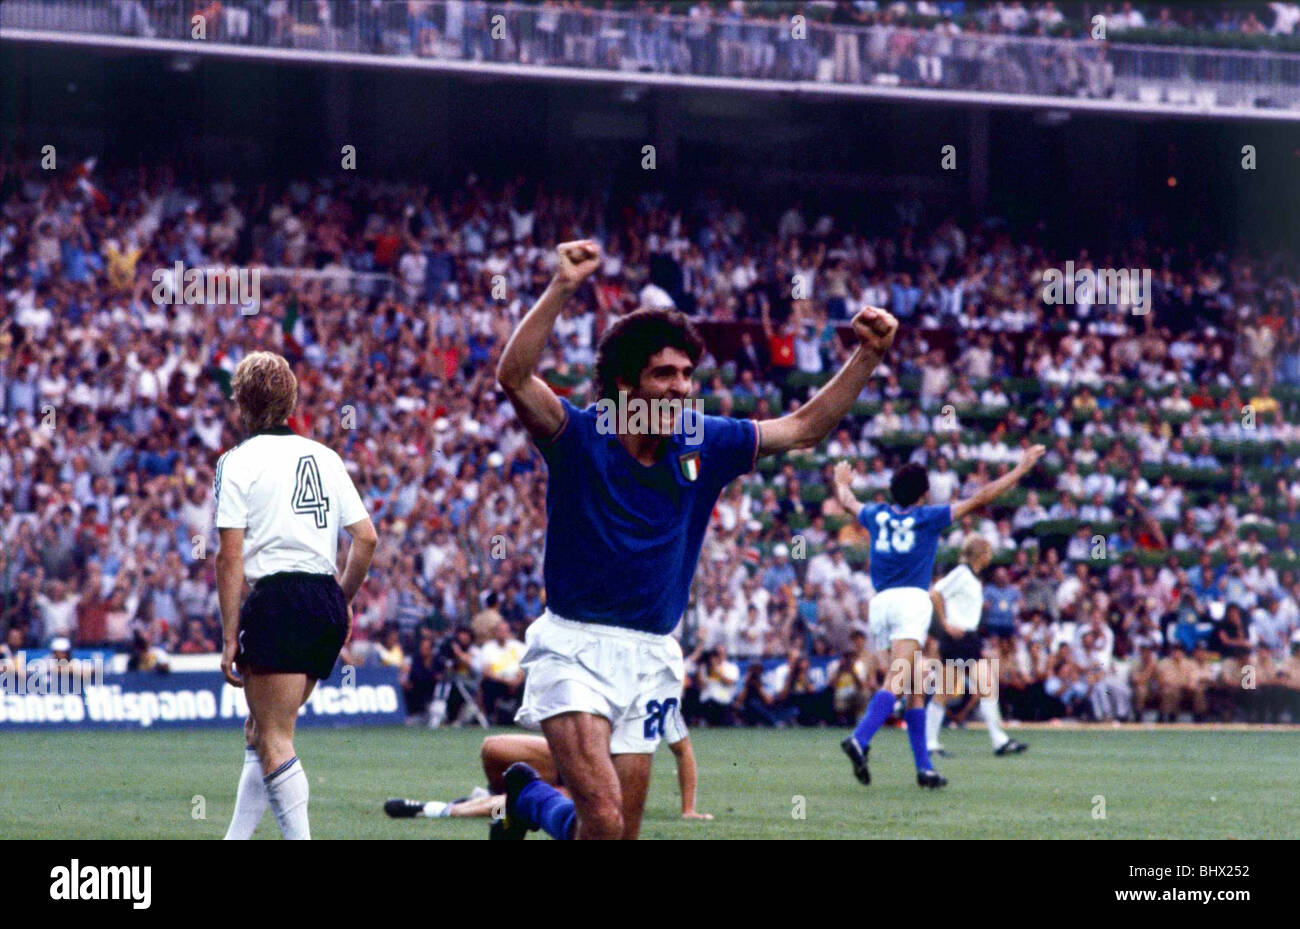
(623, 539)
(903, 543)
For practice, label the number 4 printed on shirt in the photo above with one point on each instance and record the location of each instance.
(308, 492)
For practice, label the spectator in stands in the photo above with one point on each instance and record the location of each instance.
(717, 677)
(1001, 605)
(1066, 682)
(754, 705)
(457, 677)
(196, 641)
(799, 698)
(502, 677)
(419, 678)
(1181, 685)
(390, 652)
(137, 475)
(1109, 692)
(853, 677)
(487, 620)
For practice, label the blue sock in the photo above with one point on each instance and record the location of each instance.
(915, 720)
(542, 805)
(878, 710)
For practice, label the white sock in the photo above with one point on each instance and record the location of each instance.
(992, 717)
(286, 791)
(250, 799)
(436, 809)
(934, 712)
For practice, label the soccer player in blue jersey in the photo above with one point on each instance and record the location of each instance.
(904, 537)
(628, 501)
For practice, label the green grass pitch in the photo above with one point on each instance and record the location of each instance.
(1155, 784)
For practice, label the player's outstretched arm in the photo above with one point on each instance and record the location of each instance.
(844, 494)
(994, 489)
(813, 421)
(538, 407)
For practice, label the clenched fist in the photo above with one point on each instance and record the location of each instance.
(1029, 457)
(577, 261)
(875, 329)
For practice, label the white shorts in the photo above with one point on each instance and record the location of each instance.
(900, 613)
(633, 679)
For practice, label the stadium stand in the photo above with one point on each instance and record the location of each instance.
(1149, 54)
(1154, 554)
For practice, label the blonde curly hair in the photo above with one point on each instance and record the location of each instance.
(974, 547)
(265, 391)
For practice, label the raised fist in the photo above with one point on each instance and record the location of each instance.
(1030, 457)
(875, 329)
(577, 261)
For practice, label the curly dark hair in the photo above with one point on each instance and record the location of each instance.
(909, 484)
(627, 346)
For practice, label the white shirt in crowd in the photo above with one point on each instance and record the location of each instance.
(60, 616)
(720, 687)
(824, 571)
(943, 484)
(654, 297)
(291, 496)
(500, 659)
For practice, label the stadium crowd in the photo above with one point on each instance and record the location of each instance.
(953, 45)
(1149, 566)
(469, 21)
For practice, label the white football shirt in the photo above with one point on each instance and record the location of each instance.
(963, 597)
(291, 496)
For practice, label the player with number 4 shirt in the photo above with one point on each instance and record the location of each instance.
(281, 500)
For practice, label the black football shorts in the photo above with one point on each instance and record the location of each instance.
(293, 623)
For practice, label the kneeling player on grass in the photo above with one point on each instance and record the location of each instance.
(501, 751)
(904, 538)
(628, 500)
(280, 500)
(958, 600)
